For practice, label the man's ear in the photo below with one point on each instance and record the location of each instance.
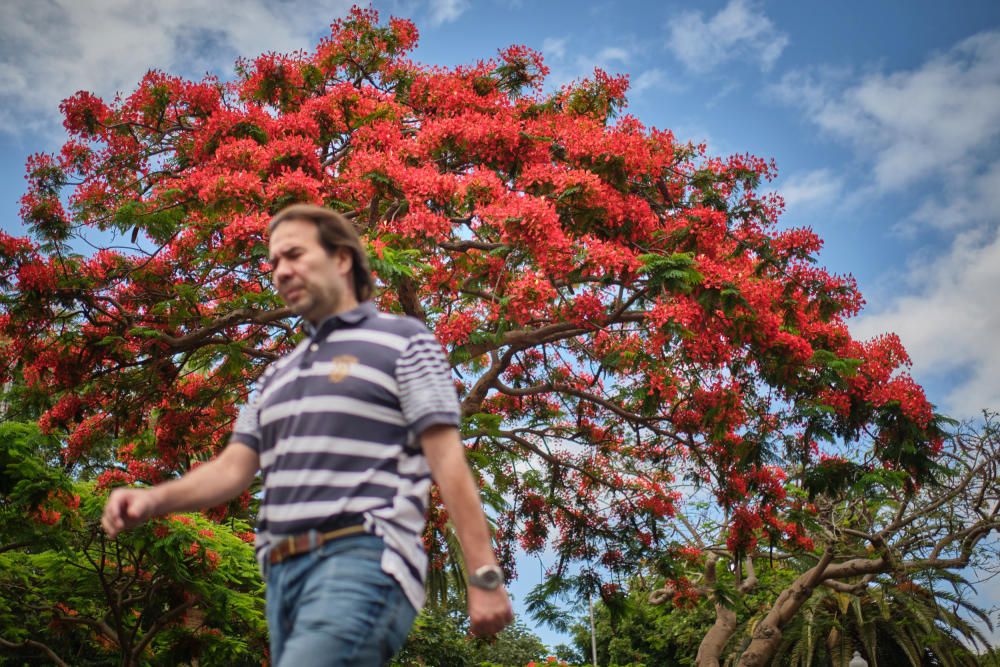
(345, 260)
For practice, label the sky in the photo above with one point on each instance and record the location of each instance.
(883, 119)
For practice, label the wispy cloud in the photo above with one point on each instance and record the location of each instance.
(651, 78)
(930, 122)
(554, 47)
(930, 134)
(49, 49)
(446, 11)
(610, 54)
(739, 31)
(568, 66)
(813, 188)
(969, 200)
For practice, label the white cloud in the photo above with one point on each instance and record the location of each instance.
(446, 11)
(948, 316)
(812, 188)
(739, 31)
(969, 201)
(49, 49)
(651, 78)
(927, 123)
(554, 47)
(612, 53)
(567, 66)
(723, 92)
(928, 135)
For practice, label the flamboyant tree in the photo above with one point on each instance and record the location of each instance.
(618, 306)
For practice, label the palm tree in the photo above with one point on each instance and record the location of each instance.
(891, 622)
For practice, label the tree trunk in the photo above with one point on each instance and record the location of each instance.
(767, 635)
(836, 648)
(715, 640)
(710, 649)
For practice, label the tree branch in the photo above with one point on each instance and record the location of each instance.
(14, 545)
(520, 339)
(473, 403)
(160, 623)
(31, 643)
(239, 316)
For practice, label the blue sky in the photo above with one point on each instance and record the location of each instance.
(883, 118)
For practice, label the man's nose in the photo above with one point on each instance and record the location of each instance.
(281, 273)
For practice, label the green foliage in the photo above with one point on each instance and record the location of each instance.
(27, 474)
(831, 477)
(440, 638)
(842, 368)
(895, 622)
(543, 602)
(672, 274)
(514, 647)
(570, 655)
(436, 639)
(392, 264)
(176, 590)
(648, 636)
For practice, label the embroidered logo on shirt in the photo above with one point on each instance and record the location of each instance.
(341, 366)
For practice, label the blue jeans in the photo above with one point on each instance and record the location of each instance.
(335, 606)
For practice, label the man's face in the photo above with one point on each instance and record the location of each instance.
(312, 283)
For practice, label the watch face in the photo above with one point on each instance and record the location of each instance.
(488, 577)
(491, 578)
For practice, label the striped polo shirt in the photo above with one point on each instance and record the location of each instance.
(336, 425)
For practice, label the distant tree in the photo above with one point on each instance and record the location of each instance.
(437, 638)
(516, 646)
(991, 657)
(570, 654)
(440, 637)
(893, 622)
(633, 631)
(872, 536)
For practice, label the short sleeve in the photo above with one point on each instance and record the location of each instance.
(247, 426)
(426, 387)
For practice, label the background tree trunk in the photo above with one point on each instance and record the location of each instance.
(711, 647)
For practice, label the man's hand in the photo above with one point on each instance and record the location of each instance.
(489, 611)
(208, 485)
(128, 508)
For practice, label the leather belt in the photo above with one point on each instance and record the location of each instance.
(296, 545)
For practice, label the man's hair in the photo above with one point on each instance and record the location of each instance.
(335, 231)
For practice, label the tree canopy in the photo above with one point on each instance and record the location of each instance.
(621, 310)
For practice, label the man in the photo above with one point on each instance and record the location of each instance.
(347, 430)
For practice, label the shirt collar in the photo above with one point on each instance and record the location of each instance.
(353, 316)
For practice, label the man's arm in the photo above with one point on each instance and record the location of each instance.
(489, 611)
(208, 485)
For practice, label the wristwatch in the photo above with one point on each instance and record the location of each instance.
(488, 577)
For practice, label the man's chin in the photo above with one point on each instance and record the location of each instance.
(300, 306)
